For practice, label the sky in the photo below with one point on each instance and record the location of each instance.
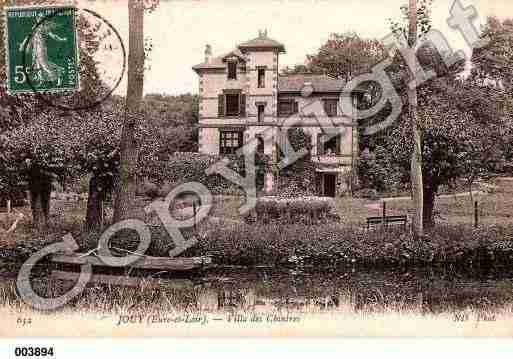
(180, 29)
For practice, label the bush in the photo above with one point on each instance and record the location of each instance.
(333, 245)
(150, 190)
(377, 171)
(306, 210)
(368, 193)
(186, 167)
(191, 167)
(297, 178)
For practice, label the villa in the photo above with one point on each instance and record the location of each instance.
(243, 97)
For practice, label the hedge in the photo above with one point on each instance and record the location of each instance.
(306, 210)
(163, 176)
(337, 246)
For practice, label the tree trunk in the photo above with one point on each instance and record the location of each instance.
(429, 204)
(416, 159)
(95, 201)
(40, 187)
(125, 189)
(470, 191)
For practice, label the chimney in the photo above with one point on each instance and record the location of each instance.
(262, 33)
(208, 53)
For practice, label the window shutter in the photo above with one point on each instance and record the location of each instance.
(220, 108)
(319, 144)
(296, 107)
(241, 139)
(326, 108)
(242, 109)
(339, 139)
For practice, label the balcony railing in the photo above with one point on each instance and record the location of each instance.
(332, 159)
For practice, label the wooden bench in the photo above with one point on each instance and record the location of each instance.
(389, 220)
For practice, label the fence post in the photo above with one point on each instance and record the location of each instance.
(102, 215)
(194, 212)
(476, 214)
(384, 213)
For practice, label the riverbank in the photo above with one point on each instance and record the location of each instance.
(264, 302)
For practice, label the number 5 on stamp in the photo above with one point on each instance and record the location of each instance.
(41, 49)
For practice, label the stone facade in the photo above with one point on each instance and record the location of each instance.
(243, 97)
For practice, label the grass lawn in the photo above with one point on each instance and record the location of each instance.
(457, 211)
(497, 208)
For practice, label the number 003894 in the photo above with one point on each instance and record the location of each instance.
(33, 352)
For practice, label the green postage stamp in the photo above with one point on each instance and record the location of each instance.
(41, 49)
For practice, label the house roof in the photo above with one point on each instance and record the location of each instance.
(236, 53)
(219, 61)
(320, 83)
(262, 41)
(214, 63)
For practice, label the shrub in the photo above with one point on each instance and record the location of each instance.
(334, 245)
(191, 167)
(377, 171)
(297, 178)
(150, 190)
(307, 210)
(368, 193)
(188, 167)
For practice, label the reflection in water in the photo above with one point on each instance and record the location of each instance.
(268, 291)
(364, 291)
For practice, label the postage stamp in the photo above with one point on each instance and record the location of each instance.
(41, 49)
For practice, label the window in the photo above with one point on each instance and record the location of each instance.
(261, 77)
(328, 144)
(287, 107)
(230, 142)
(330, 107)
(232, 104)
(261, 113)
(232, 70)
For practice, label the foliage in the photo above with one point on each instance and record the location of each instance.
(297, 178)
(346, 55)
(424, 22)
(493, 62)
(333, 245)
(176, 118)
(377, 171)
(185, 167)
(307, 210)
(465, 124)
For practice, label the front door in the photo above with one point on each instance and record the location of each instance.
(330, 184)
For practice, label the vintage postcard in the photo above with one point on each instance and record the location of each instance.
(275, 168)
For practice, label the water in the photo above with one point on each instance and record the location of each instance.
(427, 291)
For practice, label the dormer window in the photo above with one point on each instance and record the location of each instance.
(232, 70)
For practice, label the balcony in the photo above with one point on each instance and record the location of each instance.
(332, 160)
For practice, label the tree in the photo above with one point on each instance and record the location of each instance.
(41, 152)
(416, 158)
(414, 17)
(345, 56)
(463, 126)
(32, 146)
(98, 154)
(176, 121)
(494, 61)
(126, 187)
